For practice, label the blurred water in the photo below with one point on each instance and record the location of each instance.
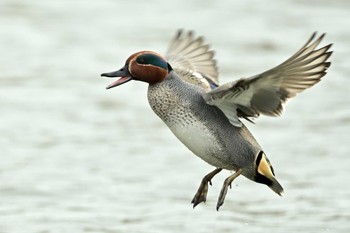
(78, 158)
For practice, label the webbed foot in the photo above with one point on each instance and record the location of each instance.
(227, 183)
(201, 194)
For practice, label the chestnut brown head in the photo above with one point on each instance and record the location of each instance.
(146, 66)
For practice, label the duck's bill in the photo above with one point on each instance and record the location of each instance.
(119, 82)
(124, 77)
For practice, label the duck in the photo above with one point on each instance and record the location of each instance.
(208, 118)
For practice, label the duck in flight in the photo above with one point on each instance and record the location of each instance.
(206, 117)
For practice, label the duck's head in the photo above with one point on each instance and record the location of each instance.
(146, 66)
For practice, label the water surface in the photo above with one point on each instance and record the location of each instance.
(78, 158)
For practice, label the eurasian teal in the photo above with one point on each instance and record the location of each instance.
(184, 92)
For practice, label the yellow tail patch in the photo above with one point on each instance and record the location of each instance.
(264, 167)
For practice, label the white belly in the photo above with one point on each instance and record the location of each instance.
(200, 141)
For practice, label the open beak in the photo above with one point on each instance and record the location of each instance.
(123, 73)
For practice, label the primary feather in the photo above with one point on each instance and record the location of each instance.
(193, 60)
(266, 93)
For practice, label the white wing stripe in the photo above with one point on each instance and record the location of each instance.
(267, 92)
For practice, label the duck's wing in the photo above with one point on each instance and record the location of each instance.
(190, 56)
(266, 93)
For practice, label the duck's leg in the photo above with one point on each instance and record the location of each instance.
(201, 195)
(227, 183)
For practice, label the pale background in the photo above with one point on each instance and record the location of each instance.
(77, 158)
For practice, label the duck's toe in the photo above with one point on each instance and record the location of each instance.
(201, 194)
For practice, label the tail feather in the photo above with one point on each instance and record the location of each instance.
(264, 173)
(276, 186)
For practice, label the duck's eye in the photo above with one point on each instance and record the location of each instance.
(151, 59)
(140, 60)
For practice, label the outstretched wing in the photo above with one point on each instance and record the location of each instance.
(266, 93)
(190, 56)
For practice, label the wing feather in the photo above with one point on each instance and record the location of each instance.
(190, 55)
(266, 93)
